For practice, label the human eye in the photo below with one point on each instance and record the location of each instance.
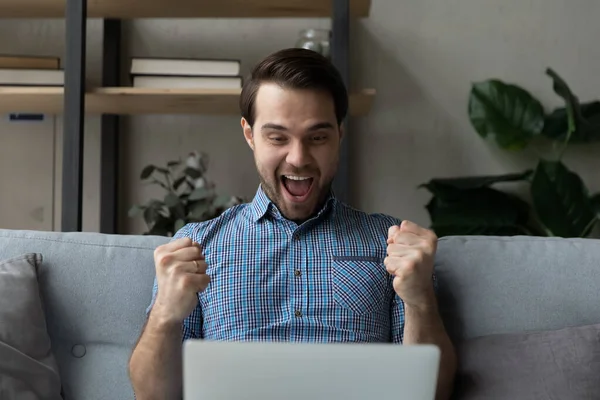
(277, 139)
(320, 137)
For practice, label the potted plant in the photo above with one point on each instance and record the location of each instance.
(189, 196)
(560, 202)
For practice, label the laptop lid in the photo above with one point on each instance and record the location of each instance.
(302, 371)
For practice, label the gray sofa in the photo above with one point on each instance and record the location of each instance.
(95, 289)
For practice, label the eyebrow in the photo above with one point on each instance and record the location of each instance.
(315, 127)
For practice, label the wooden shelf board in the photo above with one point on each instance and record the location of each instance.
(47, 100)
(163, 101)
(129, 9)
(136, 101)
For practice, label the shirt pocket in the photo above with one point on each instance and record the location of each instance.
(360, 283)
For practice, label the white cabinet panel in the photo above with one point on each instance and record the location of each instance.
(27, 174)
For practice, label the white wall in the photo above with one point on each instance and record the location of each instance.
(420, 55)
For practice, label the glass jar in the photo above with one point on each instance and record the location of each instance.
(315, 39)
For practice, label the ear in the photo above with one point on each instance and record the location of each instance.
(248, 134)
(342, 132)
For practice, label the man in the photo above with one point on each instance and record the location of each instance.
(295, 264)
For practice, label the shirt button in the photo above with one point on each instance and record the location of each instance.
(297, 272)
(298, 313)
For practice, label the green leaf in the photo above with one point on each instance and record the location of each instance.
(479, 211)
(147, 171)
(156, 204)
(180, 223)
(595, 200)
(175, 205)
(466, 206)
(178, 182)
(571, 101)
(135, 211)
(586, 124)
(190, 185)
(577, 123)
(162, 227)
(507, 112)
(171, 200)
(561, 200)
(221, 201)
(152, 211)
(474, 182)
(151, 214)
(159, 183)
(199, 194)
(198, 209)
(192, 173)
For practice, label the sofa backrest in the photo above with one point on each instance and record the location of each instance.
(95, 289)
(490, 285)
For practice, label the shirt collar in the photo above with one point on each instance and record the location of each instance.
(262, 204)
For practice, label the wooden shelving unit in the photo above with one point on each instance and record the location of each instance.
(129, 9)
(112, 99)
(136, 101)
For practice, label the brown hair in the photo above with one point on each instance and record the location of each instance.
(295, 68)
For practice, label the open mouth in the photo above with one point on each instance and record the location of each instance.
(297, 187)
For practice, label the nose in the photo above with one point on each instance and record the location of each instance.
(298, 155)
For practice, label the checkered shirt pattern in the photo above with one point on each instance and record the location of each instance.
(274, 280)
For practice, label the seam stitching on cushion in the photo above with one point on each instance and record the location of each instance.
(75, 242)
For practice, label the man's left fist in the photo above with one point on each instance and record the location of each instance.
(410, 256)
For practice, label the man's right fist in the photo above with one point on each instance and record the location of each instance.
(180, 274)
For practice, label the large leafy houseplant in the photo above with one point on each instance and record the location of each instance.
(560, 204)
(189, 196)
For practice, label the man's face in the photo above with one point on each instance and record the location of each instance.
(296, 141)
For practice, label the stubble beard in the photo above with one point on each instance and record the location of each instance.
(294, 212)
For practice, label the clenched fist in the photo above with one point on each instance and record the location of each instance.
(410, 256)
(180, 274)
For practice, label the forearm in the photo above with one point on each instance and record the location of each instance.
(155, 365)
(424, 326)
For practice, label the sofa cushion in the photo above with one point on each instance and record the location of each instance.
(28, 370)
(491, 285)
(558, 364)
(96, 289)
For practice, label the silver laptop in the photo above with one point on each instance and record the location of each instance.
(291, 371)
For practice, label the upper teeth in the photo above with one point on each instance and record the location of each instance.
(296, 178)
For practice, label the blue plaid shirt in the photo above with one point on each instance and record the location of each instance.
(275, 280)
